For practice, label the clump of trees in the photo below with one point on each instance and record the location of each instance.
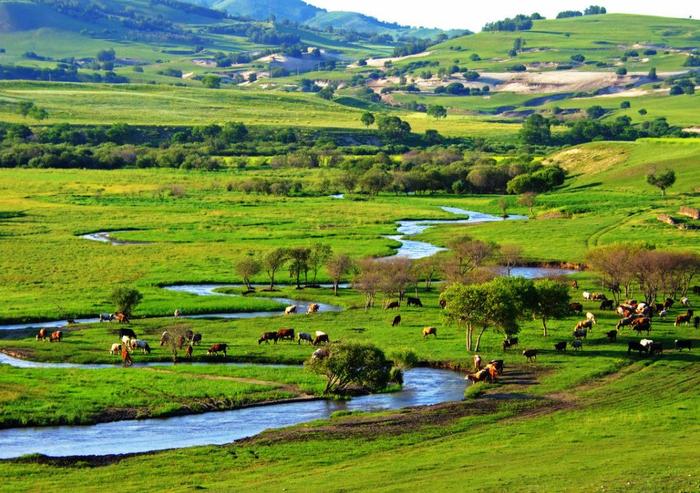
(520, 22)
(363, 367)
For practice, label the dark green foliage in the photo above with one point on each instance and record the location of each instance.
(569, 13)
(662, 181)
(393, 127)
(518, 23)
(125, 299)
(536, 130)
(437, 111)
(595, 112)
(352, 364)
(211, 81)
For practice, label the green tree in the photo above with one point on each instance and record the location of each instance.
(394, 127)
(652, 74)
(595, 112)
(298, 263)
(374, 180)
(437, 111)
(211, 81)
(248, 268)
(319, 254)
(621, 71)
(38, 113)
(125, 300)
(367, 119)
(352, 364)
(24, 107)
(536, 130)
(662, 181)
(326, 93)
(108, 55)
(552, 301)
(273, 261)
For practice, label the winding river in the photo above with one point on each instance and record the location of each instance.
(422, 386)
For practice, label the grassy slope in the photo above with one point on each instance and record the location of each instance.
(599, 38)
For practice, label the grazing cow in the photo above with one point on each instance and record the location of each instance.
(56, 336)
(635, 346)
(641, 325)
(122, 318)
(510, 342)
(574, 284)
(106, 317)
(493, 372)
(42, 335)
(443, 304)
(266, 337)
(479, 376)
(313, 308)
(577, 345)
(607, 305)
(115, 349)
(220, 348)
(587, 295)
(181, 342)
(414, 302)
(290, 309)
(197, 339)
(321, 338)
(164, 338)
(598, 297)
(177, 313)
(396, 321)
(477, 362)
(656, 348)
(560, 347)
(530, 354)
(391, 305)
(581, 333)
(646, 342)
(429, 331)
(591, 317)
(188, 351)
(285, 334)
(668, 303)
(663, 312)
(612, 335)
(576, 307)
(321, 353)
(127, 332)
(696, 322)
(498, 363)
(305, 336)
(142, 345)
(683, 344)
(683, 319)
(585, 325)
(126, 340)
(624, 322)
(189, 334)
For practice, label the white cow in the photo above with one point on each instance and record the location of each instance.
(115, 349)
(591, 317)
(586, 295)
(290, 309)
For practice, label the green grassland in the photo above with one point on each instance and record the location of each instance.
(599, 38)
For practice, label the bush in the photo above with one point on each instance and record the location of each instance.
(352, 364)
(125, 299)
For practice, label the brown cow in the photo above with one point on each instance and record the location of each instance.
(429, 331)
(285, 334)
(180, 342)
(641, 325)
(188, 351)
(121, 317)
(498, 363)
(443, 304)
(397, 321)
(313, 308)
(42, 335)
(266, 337)
(684, 319)
(479, 376)
(493, 372)
(576, 307)
(218, 348)
(56, 336)
(321, 338)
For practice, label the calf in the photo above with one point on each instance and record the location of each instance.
(683, 319)
(56, 336)
(266, 337)
(391, 304)
(577, 345)
(683, 344)
(635, 346)
(612, 335)
(127, 332)
(219, 348)
(530, 354)
(304, 336)
(414, 302)
(42, 335)
(560, 347)
(285, 334)
(321, 338)
(576, 307)
(510, 342)
(397, 321)
(429, 331)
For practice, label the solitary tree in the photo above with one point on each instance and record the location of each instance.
(125, 299)
(437, 111)
(528, 199)
(272, 262)
(367, 119)
(552, 301)
(318, 255)
(246, 269)
(662, 181)
(175, 334)
(337, 267)
(510, 256)
(211, 81)
(350, 364)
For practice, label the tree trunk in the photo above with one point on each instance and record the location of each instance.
(468, 337)
(478, 339)
(335, 287)
(544, 326)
